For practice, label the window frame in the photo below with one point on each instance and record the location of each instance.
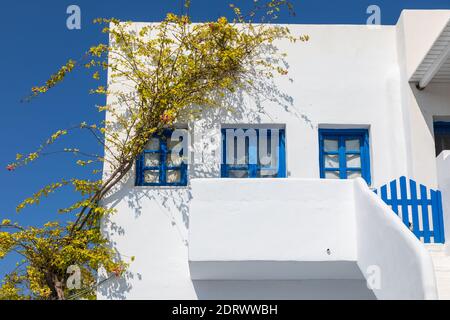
(440, 127)
(162, 168)
(341, 135)
(254, 169)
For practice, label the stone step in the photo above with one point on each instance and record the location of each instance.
(435, 247)
(439, 256)
(441, 262)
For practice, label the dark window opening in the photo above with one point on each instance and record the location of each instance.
(441, 136)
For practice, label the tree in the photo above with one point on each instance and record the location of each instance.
(158, 75)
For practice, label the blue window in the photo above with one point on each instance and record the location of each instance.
(344, 154)
(163, 163)
(253, 153)
(441, 136)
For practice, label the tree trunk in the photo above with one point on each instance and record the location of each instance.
(56, 286)
(59, 288)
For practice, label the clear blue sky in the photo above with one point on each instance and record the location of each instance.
(35, 41)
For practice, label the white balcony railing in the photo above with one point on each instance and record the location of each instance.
(285, 229)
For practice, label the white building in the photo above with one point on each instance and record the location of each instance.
(351, 108)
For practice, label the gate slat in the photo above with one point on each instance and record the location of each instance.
(441, 217)
(425, 220)
(419, 198)
(394, 200)
(414, 204)
(404, 202)
(383, 191)
(435, 215)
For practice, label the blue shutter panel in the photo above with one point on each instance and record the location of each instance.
(343, 135)
(162, 167)
(253, 167)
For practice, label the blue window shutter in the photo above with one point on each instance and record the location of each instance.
(254, 169)
(321, 156)
(282, 156)
(253, 157)
(223, 165)
(365, 158)
(139, 170)
(342, 158)
(162, 168)
(341, 136)
(162, 162)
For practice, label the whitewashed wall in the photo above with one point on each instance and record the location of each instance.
(443, 166)
(345, 76)
(283, 229)
(396, 264)
(417, 30)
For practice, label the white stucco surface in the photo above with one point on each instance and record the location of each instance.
(443, 167)
(388, 250)
(416, 32)
(272, 229)
(272, 220)
(421, 28)
(232, 241)
(344, 77)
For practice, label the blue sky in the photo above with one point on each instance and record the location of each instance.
(35, 42)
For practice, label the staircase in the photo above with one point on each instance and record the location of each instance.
(441, 263)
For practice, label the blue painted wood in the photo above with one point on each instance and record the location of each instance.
(139, 171)
(404, 201)
(412, 204)
(282, 157)
(365, 158)
(394, 198)
(414, 208)
(435, 215)
(342, 159)
(252, 167)
(343, 135)
(383, 194)
(441, 217)
(162, 168)
(425, 219)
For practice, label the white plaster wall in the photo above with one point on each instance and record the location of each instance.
(398, 264)
(443, 167)
(425, 107)
(286, 290)
(417, 30)
(345, 76)
(272, 229)
(421, 29)
(152, 225)
(232, 241)
(252, 219)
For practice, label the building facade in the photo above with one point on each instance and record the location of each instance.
(362, 106)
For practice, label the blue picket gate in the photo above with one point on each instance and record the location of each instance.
(420, 209)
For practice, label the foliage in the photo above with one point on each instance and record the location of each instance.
(158, 74)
